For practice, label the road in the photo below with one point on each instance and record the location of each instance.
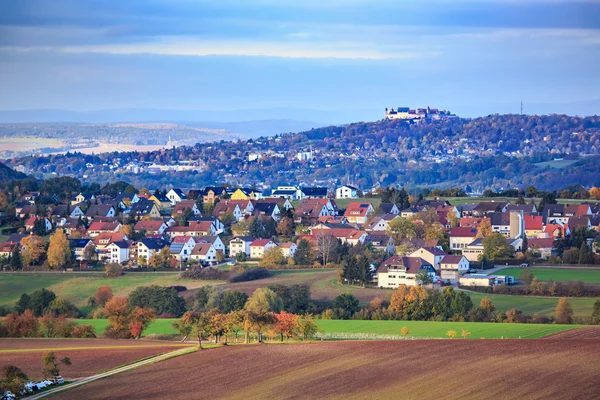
(115, 371)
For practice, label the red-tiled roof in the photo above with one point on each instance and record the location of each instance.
(533, 222)
(545, 243)
(260, 243)
(463, 232)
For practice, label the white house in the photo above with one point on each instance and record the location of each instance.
(118, 251)
(240, 244)
(346, 192)
(433, 255)
(176, 195)
(259, 246)
(181, 247)
(453, 267)
(288, 249)
(205, 253)
(400, 270)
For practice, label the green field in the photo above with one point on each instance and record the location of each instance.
(423, 329)
(582, 307)
(462, 200)
(556, 164)
(433, 329)
(558, 275)
(77, 288)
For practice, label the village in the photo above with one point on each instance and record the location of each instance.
(293, 227)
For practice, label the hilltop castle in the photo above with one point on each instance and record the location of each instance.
(405, 113)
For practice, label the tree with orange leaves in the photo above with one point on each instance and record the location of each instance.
(595, 193)
(140, 319)
(285, 324)
(119, 317)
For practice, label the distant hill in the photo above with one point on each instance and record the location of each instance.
(496, 151)
(8, 174)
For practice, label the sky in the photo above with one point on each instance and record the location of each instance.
(353, 57)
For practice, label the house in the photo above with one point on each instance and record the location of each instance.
(181, 247)
(381, 242)
(106, 238)
(474, 250)
(432, 255)
(432, 203)
(30, 223)
(139, 197)
(287, 192)
(125, 199)
(161, 201)
(63, 210)
(332, 219)
(146, 247)
(176, 195)
(118, 252)
(314, 192)
(227, 206)
(453, 267)
(214, 240)
(195, 229)
(217, 225)
(288, 249)
(268, 210)
(527, 209)
(210, 194)
(399, 270)
(500, 222)
(308, 211)
(144, 208)
(283, 203)
(358, 213)
(379, 222)
(246, 194)
(100, 210)
(81, 198)
(98, 227)
(259, 246)
(461, 237)
(181, 207)
(205, 253)
(389, 208)
(543, 246)
(477, 280)
(534, 226)
(151, 226)
(240, 244)
(472, 222)
(7, 248)
(79, 248)
(72, 226)
(346, 192)
(410, 211)
(483, 208)
(579, 222)
(556, 230)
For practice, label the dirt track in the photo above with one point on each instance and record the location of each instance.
(452, 369)
(581, 333)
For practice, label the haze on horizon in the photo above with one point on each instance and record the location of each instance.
(351, 58)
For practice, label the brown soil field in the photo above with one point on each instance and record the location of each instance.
(441, 369)
(89, 356)
(581, 333)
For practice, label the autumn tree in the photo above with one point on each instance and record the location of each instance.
(33, 249)
(563, 312)
(285, 227)
(119, 317)
(264, 300)
(402, 228)
(113, 270)
(306, 326)
(596, 313)
(486, 304)
(59, 250)
(451, 334)
(141, 318)
(103, 295)
(404, 331)
(50, 364)
(496, 247)
(21, 325)
(160, 259)
(595, 193)
(285, 324)
(484, 229)
(273, 258)
(464, 333)
(13, 379)
(198, 323)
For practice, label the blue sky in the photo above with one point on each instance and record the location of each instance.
(475, 57)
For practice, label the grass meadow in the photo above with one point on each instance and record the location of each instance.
(558, 275)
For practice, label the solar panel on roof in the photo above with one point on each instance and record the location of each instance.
(364, 206)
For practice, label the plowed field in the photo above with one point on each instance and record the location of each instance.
(439, 369)
(89, 356)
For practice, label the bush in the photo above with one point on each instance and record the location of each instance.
(178, 288)
(251, 274)
(113, 270)
(161, 299)
(198, 273)
(84, 332)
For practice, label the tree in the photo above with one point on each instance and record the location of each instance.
(526, 276)
(436, 231)
(464, 333)
(227, 218)
(327, 246)
(140, 319)
(113, 270)
(161, 258)
(198, 323)
(59, 250)
(264, 300)
(39, 227)
(404, 331)
(303, 254)
(424, 277)
(273, 258)
(585, 254)
(486, 304)
(563, 312)
(256, 229)
(307, 327)
(485, 228)
(21, 325)
(345, 305)
(103, 295)
(163, 300)
(398, 303)
(402, 228)
(285, 227)
(496, 247)
(596, 313)
(13, 379)
(233, 300)
(50, 364)
(285, 324)
(220, 256)
(15, 262)
(33, 248)
(451, 334)
(38, 302)
(295, 297)
(119, 317)
(52, 326)
(595, 193)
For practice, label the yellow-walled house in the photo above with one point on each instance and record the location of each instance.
(161, 201)
(246, 194)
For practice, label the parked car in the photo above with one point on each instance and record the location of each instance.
(525, 265)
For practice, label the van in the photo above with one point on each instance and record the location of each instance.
(525, 265)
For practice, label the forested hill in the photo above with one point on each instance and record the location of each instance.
(9, 174)
(492, 151)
